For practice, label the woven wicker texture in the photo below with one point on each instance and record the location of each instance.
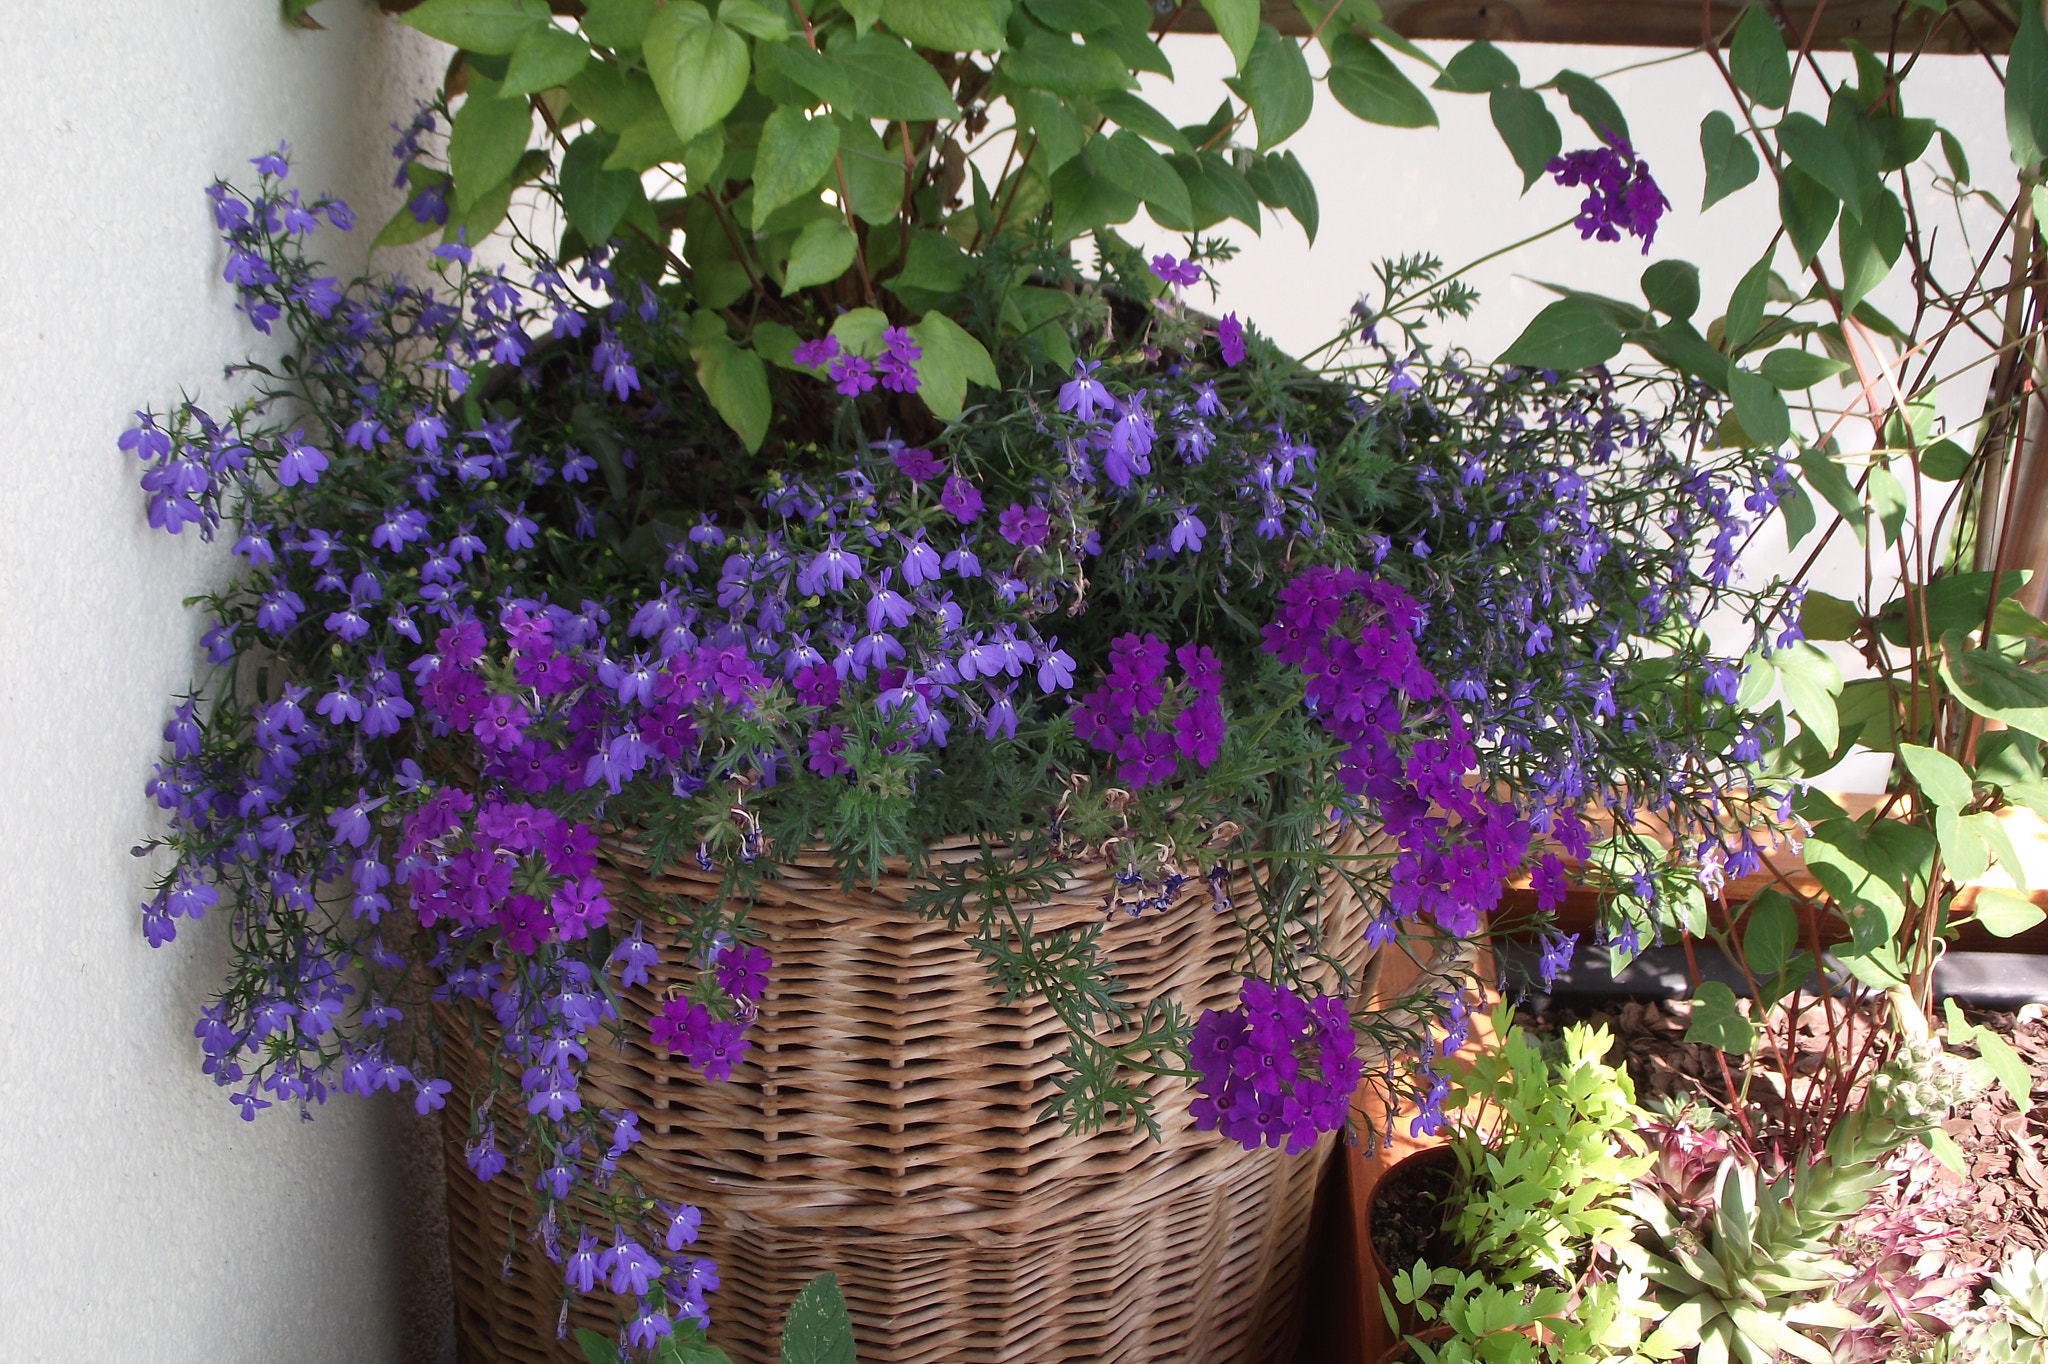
(885, 1126)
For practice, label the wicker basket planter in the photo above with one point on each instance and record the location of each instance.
(885, 1126)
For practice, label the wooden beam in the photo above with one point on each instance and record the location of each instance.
(1661, 23)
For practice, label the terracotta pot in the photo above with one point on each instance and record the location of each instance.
(1402, 1171)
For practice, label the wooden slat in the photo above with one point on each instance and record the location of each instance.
(1651, 23)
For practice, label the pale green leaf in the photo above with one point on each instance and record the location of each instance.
(485, 142)
(1717, 1020)
(736, 382)
(1994, 686)
(795, 153)
(545, 58)
(823, 252)
(2005, 915)
(946, 25)
(1992, 830)
(1944, 780)
(1788, 368)
(756, 19)
(491, 27)
(700, 67)
(951, 359)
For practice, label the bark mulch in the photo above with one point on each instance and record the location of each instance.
(1947, 1231)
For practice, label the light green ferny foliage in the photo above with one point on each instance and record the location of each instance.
(1546, 1158)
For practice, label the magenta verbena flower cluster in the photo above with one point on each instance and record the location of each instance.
(1620, 195)
(1277, 1070)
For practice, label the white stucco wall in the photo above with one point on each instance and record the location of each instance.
(143, 1220)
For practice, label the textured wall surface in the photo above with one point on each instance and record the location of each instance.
(144, 1220)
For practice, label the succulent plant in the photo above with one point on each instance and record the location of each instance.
(1756, 1280)
(2012, 1326)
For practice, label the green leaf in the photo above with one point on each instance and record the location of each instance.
(1083, 201)
(403, 228)
(2005, 915)
(1128, 111)
(885, 79)
(1066, 68)
(1944, 1149)
(699, 66)
(1218, 190)
(1787, 368)
(1798, 509)
(1820, 152)
(1952, 152)
(1746, 305)
(874, 174)
(1811, 681)
(823, 252)
(795, 153)
(485, 143)
(616, 99)
(1278, 87)
(1528, 129)
(1717, 1020)
(1771, 934)
(492, 27)
(1994, 686)
(946, 25)
(686, 1343)
(1888, 499)
(1591, 103)
(934, 265)
(1963, 853)
(594, 199)
(1855, 872)
(1824, 617)
(1127, 160)
(1680, 344)
(1954, 601)
(1280, 181)
(1807, 208)
(1760, 408)
(1944, 780)
(1943, 461)
(2005, 1063)
(756, 19)
(1832, 483)
(951, 359)
(2026, 89)
(1673, 288)
(736, 382)
(1365, 80)
(596, 1348)
(1477, 68)
(1730, 161)
(545, 58)
(1237, 23)
(1870, 246)
(817, 1329)
(860, 331)
(1570, 334)
(1758, 60)
(647, 143)
(617, 23)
